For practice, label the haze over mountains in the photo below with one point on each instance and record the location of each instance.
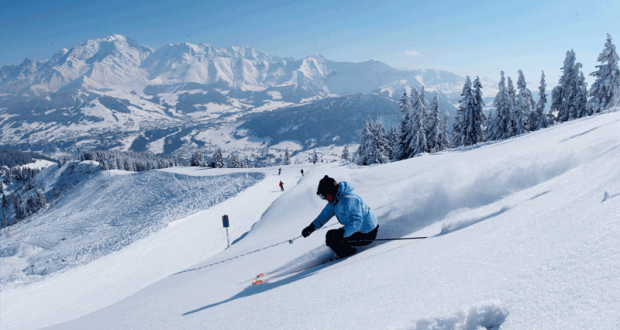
(112, 93)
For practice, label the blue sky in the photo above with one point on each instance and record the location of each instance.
(475, 38)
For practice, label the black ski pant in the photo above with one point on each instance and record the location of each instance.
(345, 246)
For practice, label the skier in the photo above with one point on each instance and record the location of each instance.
(281, 185)
(302, 172)
(279, 171)
(359, 221)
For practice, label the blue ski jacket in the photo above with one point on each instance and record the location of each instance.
(350, 210)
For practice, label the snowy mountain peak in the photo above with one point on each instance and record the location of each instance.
(108, 61)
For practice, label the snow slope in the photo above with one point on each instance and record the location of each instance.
(523, 234)
(122, 272)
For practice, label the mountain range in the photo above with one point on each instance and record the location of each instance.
(113, 93)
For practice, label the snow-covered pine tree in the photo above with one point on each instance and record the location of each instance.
(605, 91)
(499, 128)
(345, 153)
(381, 142)
(473, 117)
(524, 99)
(538, 118)
(433, 125)
(235, 160)
(404, 132)
(217, 160)
(365, 147)
(444, 132)
(522, 107)
(564, 95)
(373, 143)
(581, 100)
(287, 158)
(512, 101)
(20, 212)
(393, 138)
(490, 124)
(314, 158)
(512, 93)
(42, 201)
(197, 159)
(459, 120)
(419, 109)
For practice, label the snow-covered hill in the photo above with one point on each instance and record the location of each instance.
(523, 234)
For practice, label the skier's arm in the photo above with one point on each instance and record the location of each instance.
(353, 210)
(324, 216)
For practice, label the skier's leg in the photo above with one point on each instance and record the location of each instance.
(334, 240)
(364, 238)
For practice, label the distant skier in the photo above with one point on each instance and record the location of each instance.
(279, 171)
(351, 211)
(281, 185)
(302, 172)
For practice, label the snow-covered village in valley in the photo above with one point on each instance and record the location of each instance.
(439, 166)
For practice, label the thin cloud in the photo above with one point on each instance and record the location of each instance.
(413, 53)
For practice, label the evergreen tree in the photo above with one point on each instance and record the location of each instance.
(393, 139)
(20, 212)
(314, 158)
(581, 99)
(217, 160)
(444, 137)
(433, 125)
(525, 102)
(197, 159)
(512, 94)
(405, 132)
(564, 97)
(345, 153)
(419, 108)
(235, 160)
(373, 144)
(460, 120)
(381, 142)
(287, 158)
(538, 119)
(500, 126)
(605, 91)
(41, 200)
(473, 117)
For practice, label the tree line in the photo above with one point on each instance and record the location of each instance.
(515, 112)
(130, 161)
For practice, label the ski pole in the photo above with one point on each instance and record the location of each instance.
(383, 239)
(290, 241)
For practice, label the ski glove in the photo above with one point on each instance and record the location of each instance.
(307, 231)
